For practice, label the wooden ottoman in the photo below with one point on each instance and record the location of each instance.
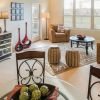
(72, 58)
(54, 55)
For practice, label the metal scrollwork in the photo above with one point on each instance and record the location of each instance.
(92, 87)
(30, 70)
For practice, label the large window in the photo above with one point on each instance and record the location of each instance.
(68, 13)
(82, 13)
(97, 14)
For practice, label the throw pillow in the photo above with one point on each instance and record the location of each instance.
(60, 28)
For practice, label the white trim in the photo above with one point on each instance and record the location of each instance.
(91, 16)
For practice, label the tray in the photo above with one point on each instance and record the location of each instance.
(14, 94)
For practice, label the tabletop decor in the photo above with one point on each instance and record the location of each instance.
(26, 41)
(81, 37)
(17, 11)
(27, 92)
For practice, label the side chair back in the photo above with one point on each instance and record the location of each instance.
(96, 73)
(30, 67)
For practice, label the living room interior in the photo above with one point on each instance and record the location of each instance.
(66, 31)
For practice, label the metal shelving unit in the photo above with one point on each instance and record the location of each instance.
(5, 45)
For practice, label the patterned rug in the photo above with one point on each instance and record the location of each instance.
(62, 66)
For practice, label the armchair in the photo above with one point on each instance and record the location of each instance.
(57, 36)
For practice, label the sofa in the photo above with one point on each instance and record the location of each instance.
(56, 36)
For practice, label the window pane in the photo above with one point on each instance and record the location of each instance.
(83, 22)
(97, 14)
(83, 7)
(68, 21)
(68, 13)
(83, 13)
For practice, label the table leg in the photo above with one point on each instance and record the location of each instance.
(77, 44)
(86, 48)
(92, 45)
(71, 43)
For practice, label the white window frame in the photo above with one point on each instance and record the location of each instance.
(92, 16)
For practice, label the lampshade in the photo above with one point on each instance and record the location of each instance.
(46, 15)
(4, 15)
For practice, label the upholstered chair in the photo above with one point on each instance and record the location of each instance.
(58, 36)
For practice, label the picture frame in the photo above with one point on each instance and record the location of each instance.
(13, 17)
(18, 17)
(22, 11)
(13, 11)
(22, 5)
(17, 11)
(13, 5)
(17, 5)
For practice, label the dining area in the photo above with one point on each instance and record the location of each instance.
(32, 70)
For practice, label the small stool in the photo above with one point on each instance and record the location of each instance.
(54, 55)
(72, 58)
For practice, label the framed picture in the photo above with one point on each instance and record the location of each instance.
(22, 11)
(13, 17)
(22, 17)
(17, 11)
(18, 17)
(22, 5)
(17, 5)
(13, 11)
(13, 5)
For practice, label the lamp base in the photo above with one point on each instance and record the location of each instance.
(5, 31)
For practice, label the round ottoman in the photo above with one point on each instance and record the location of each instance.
(72, 58)
(54, 55)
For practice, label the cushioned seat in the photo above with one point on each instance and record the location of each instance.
(57, 36)
(72, 58)
(54, 55)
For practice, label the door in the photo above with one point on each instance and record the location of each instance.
(35, 22)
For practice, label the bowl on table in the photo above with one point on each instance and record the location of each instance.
(81, 37)
(51, 95)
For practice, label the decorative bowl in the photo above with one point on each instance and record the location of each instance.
(81, 37)
(14, 94)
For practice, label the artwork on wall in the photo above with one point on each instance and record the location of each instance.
(17, 11)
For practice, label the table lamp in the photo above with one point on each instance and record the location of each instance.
(4, 15)
(46, 16)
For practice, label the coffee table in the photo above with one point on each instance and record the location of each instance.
(87, 41)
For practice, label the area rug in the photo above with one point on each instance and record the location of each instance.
(62, 66)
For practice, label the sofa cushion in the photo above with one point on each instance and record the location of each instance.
(60, 28)
(59, 35)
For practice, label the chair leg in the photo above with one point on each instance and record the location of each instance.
(89, 87)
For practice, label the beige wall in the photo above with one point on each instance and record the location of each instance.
(56, 11)
(12, 26)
